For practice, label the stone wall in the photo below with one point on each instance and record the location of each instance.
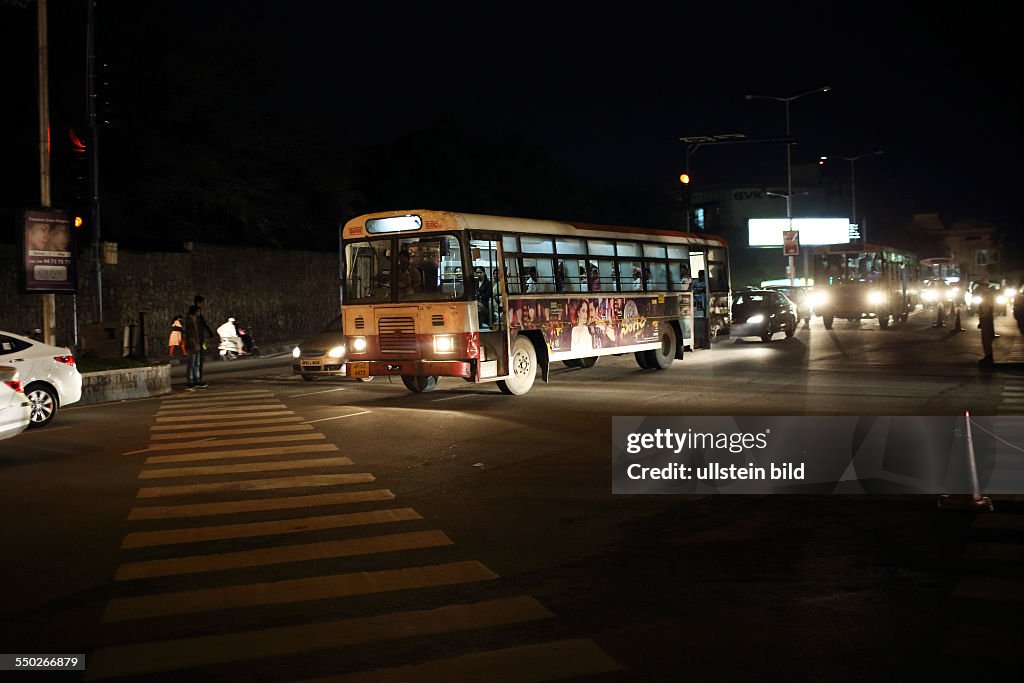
(281, 295)
(121, 385)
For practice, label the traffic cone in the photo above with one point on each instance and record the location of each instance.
(940, 316)
(957, 327)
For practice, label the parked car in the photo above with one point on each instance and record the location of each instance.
(15, 409)
(762, 313)
(322, 355)
(49, 376)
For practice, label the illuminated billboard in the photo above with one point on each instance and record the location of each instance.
(767, 232)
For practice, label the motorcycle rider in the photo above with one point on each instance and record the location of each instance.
(229, 337)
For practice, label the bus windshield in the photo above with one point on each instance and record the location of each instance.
(398, 269)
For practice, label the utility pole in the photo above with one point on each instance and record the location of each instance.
(49, 300)
(94, 129)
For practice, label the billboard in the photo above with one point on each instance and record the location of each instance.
(48, 253)
(767, 232)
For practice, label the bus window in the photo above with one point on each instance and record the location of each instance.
(623, 249)
(654, 250)
(429, 268)
(513, 283)
(657, 276)
(543, 272)
(570, 245)
(718, 277)
(536, 245)
(678, 252)
(679, 275)
(631, 276)
(606, 275)
(600, 248)
(368, 271)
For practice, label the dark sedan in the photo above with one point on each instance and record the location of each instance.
(762, 313)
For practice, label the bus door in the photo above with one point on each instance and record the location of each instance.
(699, 287)
(492, 304)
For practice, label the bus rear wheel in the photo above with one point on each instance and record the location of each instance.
(572, 363)
(523, 370)
(419, 384)
(827, 321)
(661, 358)
(641, 360)
(589, 362)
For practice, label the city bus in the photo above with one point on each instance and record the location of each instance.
(431, 294)
(857, 281)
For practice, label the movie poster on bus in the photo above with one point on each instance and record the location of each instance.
(47, 247)
(585, 324)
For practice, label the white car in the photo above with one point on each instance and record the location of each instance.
(49, 376)
(15, 409)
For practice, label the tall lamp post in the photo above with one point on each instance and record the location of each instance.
(789, 162)
(853, 190)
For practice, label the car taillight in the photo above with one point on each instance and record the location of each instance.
(66, 360)
(14, 384)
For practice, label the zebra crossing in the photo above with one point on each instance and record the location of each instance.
(255, 540)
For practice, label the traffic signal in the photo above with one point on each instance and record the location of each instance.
(684, 178)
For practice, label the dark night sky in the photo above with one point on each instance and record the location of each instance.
(609, 93)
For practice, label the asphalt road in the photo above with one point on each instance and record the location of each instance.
(271, 529)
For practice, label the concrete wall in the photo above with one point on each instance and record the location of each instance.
(282, 295)
(120, 385)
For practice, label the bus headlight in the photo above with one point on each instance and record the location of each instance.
(755, 319)
(359, 344)
(444, 343)
(875, 298)
(337, 351)
(295, 352)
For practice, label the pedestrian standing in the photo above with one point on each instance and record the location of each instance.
(987, 324)
(194, 348)
(204, 332)
(176, 340)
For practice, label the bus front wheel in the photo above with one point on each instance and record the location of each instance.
(827, 321)
(523, 370)
(641, 360)
(661, 358)
(419, 384)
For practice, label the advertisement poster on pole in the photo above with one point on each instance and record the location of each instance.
(791, 242)
(48, 253)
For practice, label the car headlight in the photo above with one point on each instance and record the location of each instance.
(1010, 292)
(819, 298)
(1001, 300)
(337, 351)
(444, 343)
(359, 344)
(296, 352)
(929, 295)
(755, 319)
(976, 299)
(875, 298)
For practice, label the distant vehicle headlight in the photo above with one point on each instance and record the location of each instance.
(976, 299)
(1010, 292)
(819, 298)
(755, 319)
(930, 295)
(295, 352)
(358, 344)
(444, 343)
(337, 351)
(876, 298)
(1001, 300)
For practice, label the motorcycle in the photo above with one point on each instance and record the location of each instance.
(230, 348)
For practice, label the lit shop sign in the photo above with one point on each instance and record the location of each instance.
(767, 232)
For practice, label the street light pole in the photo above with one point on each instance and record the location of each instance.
(789, 163)
(853, 189)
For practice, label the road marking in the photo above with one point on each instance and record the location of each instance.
(188, 418)
(324, 419)
(449, 398)
(295, 590)
(170, 655)
(213, 443)
(313, 393)
(142, 539)
(214, 403)
(258, 505)
(225, 394)
(550, 661)
(258, 484)
(282, 554)
(225, 409)
(230, 432)
(207, 470)
(239, 423)
(241, 453)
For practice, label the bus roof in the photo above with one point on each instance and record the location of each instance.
(859, 248)
(449, 220)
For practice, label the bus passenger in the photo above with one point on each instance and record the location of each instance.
(484, 294)
(638, 281)
(595, 279)
(560, 277)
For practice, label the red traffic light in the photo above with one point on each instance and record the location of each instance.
(684, 178)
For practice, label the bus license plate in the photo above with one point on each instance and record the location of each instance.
(310, 363)
(359, 369)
